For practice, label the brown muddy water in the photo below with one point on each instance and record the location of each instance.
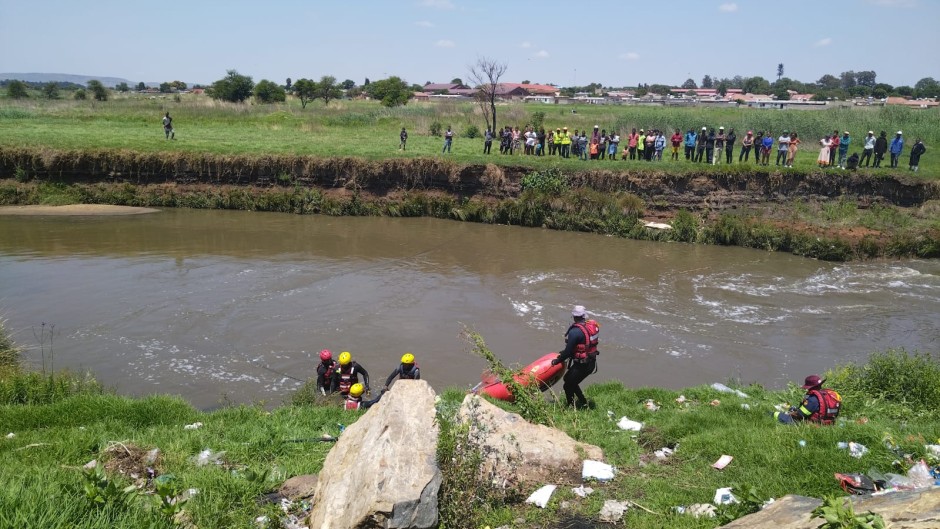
(196, 302)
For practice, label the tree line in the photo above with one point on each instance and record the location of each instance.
(236, 87)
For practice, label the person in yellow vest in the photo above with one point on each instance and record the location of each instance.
(565, 143)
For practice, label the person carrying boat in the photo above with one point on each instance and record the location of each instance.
(354, 400)
(348, 374)
(581, 354)
(326, 371)
(820, 406)
(407, 370)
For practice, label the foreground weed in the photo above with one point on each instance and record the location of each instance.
(840, 514)
(101, 490)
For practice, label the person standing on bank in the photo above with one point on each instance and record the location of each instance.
(448, 140)
(881, 147)
(581, 354)
(403, 139)
(168, 127)
(868, 149)
(487, 140)
(897, 145)
(729, 146)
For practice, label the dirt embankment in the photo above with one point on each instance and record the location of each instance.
(734, 186)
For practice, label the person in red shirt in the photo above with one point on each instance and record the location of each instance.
(676, 143)
(834, 148)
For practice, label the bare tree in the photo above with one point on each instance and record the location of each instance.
(484, 76)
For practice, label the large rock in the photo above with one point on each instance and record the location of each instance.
(519, 452)
(382, 472)
(901, 510)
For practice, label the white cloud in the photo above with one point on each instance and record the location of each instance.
(823, 42)
(541, 54)
(728, 8)
(630, 56)
(424, 24)
(437, 4)
(445, 43)
(525, 44)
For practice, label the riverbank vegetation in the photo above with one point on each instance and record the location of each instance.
(836, 231)
(226, 461)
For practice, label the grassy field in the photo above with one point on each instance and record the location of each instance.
(60, 423)
(366, 129)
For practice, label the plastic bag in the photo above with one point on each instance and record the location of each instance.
(919, 475)
(540, 497)
(597, 470)
(725, 389)
(627, 424)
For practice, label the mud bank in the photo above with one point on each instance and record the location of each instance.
(711, 188)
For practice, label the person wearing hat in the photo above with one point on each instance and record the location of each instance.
(348, 373)
(406, 370)
(746, 145)
(719, 146)
(868, 149)
(819, 406)
(881, 147)
(565, 143)
(581, 354)
(326, 371)
(897, 145)
(844, 148)
(353, 399)
(700, 148)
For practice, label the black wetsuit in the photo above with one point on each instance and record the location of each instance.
(577, 371)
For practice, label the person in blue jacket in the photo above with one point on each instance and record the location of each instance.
(897, 145)
(690, 138)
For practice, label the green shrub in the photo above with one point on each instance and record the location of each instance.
(550, 181)
(538, 119)
(472, 131)
(684, 227)
(436, 129)
(895, 377)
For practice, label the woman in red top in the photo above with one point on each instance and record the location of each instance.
(634, 138)
(676, 143)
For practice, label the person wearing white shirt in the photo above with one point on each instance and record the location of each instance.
(783, 147)
(868, 149)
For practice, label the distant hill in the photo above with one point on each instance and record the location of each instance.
(65, 77)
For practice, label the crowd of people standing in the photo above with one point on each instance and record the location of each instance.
(704, 146)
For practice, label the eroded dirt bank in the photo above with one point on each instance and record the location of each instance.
(731, 187)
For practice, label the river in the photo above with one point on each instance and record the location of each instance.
(227, 306)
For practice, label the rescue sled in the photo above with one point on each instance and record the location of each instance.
(541, 371)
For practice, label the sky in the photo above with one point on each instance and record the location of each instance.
(568, 43)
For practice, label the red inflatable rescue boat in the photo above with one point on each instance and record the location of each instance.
(541, 371)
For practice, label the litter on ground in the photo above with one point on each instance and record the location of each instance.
(722, 462)
(597, 470)
(193, 426)
(208, 456)
(613, 510)
(582, 491)
(723, 496)
(663, 453)
(651, 405)
(540, 497)
(725, 389)
(698, 510)
(630, 426)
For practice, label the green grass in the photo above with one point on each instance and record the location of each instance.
(366, 129)
(41, 482)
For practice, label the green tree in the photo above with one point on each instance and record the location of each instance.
(306, 91)
(829, 82)
(141, 86)
(927, 87)
(457, 80)
(80, 95)
(660, 89)
(366, 83)
(779, 71)
(392, 92)
(178, 85)
(50, 90)
(165, 87)
(98, 91)
(689, 84)
(866, 78)
(327, 89)
(847, 80)
(722, 88)
(287, 85)
(781, 94)
(347, 84)
(707, 82)
(905, 91)
(233, 87)
(17, 90)
(882, 88)
(756, 85)
(122, 87)
(269, 92)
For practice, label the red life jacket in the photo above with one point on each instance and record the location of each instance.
(347, 379)
(587, 350)
(352, 403)
(830, 403)
(330, 369)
